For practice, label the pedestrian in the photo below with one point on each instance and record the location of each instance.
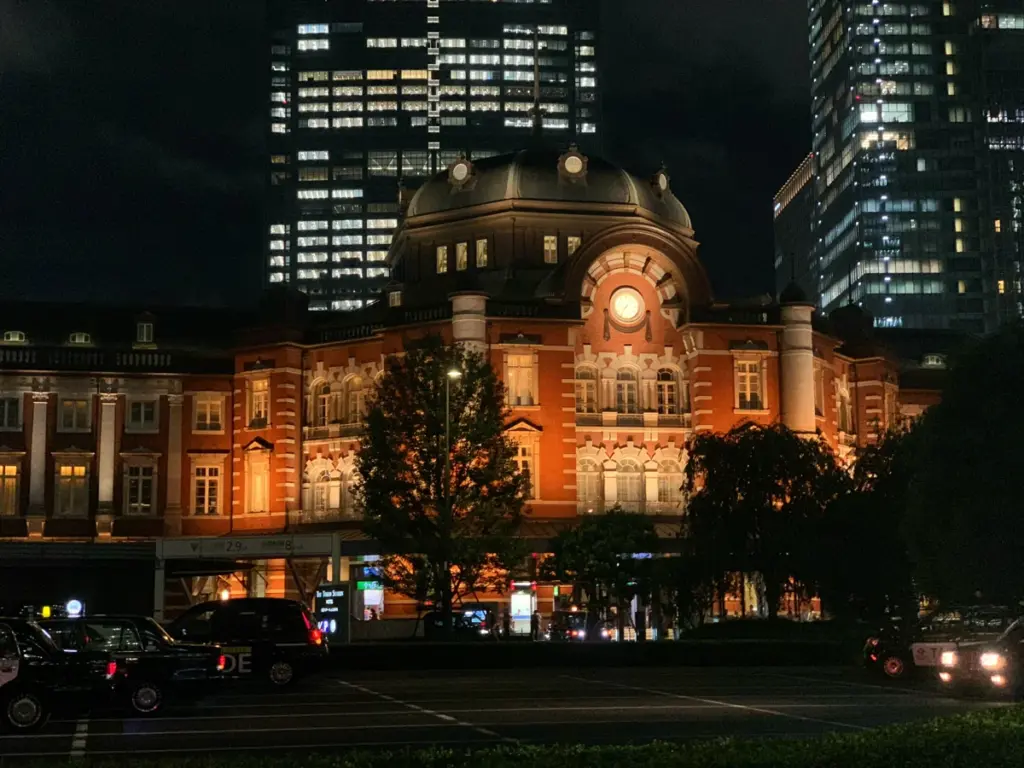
(535, 626)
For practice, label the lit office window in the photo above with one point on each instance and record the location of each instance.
(442, 259)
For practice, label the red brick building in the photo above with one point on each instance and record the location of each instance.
(214, 443)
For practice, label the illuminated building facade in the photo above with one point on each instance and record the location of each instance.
(228, 461)
(367, 96)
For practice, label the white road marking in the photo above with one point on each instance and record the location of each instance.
(720, 703)
(432, 713)
(79, 740)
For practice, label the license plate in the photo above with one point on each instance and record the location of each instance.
(930, 654)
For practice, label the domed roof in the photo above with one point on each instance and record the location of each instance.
(546, 175)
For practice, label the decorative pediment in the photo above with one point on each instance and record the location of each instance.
(523, 425)
(257, 444)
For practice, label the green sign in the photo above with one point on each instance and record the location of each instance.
(362, 586)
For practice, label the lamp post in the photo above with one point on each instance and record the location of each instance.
(454, 374)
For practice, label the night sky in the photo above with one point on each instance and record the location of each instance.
(131, 138)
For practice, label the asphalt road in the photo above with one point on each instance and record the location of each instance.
(392, 709)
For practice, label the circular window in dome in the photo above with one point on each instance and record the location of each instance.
(627, 306)
(460, 173)
(663, 182)
(573, 164)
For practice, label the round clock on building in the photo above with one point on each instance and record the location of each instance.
(627, 306)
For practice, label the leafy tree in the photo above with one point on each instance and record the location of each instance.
(596, 556)
(864, 564)
(756, 495)
(964, 524)
(448, 520)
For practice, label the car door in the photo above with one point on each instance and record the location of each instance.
(238, 629)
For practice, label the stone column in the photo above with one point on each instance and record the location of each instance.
(107, 450)
(172, 512)
(469, 320)
(37, 456)
(796, 380)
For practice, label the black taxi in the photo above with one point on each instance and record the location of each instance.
(38, 678)
(905, 648)
(994, 667)
(152, 667)
(262, 638)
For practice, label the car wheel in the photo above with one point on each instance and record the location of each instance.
(25, 711)
(146, 698)
(894, 667)
(282, 673)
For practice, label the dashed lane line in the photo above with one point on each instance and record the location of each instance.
(720, 703)
(80, 739)
(417, 708)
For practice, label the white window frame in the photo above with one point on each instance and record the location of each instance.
(79, 337)
(355, 400)
(257, 482)
(10, 485)
(742, 376)
(527, 445)
(201, 477)
(132, 426)
(587, 398)
(670, 482)
(76, 488)
(620, 487)
(521, 384)
(819, 389)
(668, 393)
(207, 403)
(144, 332)
(624, 404)
(481, 253)
(12, 402)
(76, 427)
(589, 479)
(461, 257)
(131, 507)
(441, 259)
(258, 402)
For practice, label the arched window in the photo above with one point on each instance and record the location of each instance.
(355, 400)
(322, 493)
(322, 404)
(586, 389)
(626, 400)
(630, 482)
(670, 482)
(668, 392)
(588, 481)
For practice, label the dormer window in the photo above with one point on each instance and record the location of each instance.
(934, 361)
(14, 337)
(144, 333)
(79, 337)
(395, 299)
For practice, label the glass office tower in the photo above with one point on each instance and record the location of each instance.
(895, 224)
(368, 97)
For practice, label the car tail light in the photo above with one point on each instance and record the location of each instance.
(221, 663)
(316, 637)
(111, 669)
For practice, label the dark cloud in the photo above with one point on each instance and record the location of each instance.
(132, 134)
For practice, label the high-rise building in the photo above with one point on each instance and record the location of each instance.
(368, 96)
(895, 193)
(918, 127)
(997, 62)
(792, 209)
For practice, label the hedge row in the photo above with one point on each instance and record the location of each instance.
(990, 739)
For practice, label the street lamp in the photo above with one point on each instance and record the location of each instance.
(454, 374)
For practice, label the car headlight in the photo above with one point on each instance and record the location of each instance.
(993, 661)
(949, 659)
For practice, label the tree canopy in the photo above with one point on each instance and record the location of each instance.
(756, 495)
(447, 520)
(964, 525)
